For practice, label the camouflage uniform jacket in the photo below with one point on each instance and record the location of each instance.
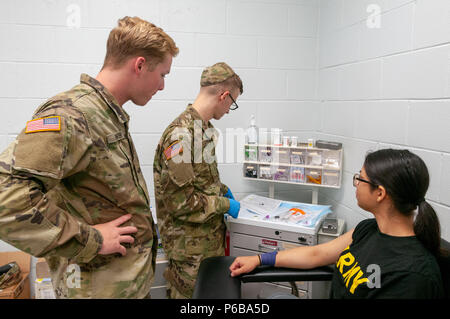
(189, 198)
(55, 184)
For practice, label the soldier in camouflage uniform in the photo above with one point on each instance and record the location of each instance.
(190, 198)
(71, 188)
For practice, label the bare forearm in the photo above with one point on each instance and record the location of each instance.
(304, 257)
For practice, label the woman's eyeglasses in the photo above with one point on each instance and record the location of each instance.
(357, 179)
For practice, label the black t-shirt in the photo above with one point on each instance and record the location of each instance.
(377, 265)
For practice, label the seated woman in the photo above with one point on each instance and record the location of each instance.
(390, 256)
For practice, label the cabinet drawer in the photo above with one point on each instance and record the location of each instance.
(259, 244)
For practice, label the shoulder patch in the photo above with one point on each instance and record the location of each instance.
(174, 149)
(50, 123)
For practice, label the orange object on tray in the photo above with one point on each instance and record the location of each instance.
(297, 210)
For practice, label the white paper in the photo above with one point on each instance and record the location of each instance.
(260, 204)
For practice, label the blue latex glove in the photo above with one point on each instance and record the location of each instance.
(235, 206)
(229, 194)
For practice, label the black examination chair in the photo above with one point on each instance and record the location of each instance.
(214, 280)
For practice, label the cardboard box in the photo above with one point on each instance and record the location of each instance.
(43, 287)
(22, 289)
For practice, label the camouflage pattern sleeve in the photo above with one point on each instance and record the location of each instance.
(223, 189)
(31, 170)
(181, 190)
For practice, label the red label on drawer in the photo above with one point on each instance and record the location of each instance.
(269, 242)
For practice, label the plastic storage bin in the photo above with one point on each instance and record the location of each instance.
(251, 170)
(314, 157)
(313, 176)
(331, 158)
(297, 174)
(330, 177)
(265, 154)
(281, 173)
(251, 153)
(281, 155)
(265, 172)
(298, 156)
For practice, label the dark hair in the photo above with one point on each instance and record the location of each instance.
(405, 177)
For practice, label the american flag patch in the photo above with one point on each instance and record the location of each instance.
(174, 149)
(51, 123)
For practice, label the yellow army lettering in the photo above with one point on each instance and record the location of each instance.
(348, 260)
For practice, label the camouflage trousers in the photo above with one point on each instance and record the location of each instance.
(173, 293)
(182, 275)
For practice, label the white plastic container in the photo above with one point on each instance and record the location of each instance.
(276, 137)
(252, 131)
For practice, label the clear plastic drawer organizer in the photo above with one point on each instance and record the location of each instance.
(294, 164)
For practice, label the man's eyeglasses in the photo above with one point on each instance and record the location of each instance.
(235, 106)
(357, 178)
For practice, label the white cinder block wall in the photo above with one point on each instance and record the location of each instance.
(386, 87)
(311, 67)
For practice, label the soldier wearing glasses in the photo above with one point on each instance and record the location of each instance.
(190, 198)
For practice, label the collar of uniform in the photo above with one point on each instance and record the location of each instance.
(205, 125)
(108, 97)
(210, 132)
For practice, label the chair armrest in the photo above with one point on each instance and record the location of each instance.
(214, 280)
(272, 274)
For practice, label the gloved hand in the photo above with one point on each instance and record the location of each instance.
(229, 194)
(235, 206)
